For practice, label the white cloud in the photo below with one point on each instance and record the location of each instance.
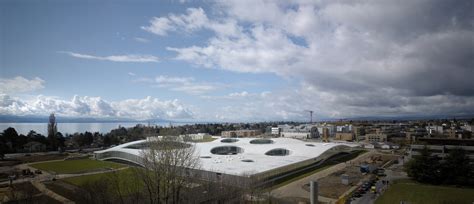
(239, 96)
(142, 40)
(131, 74)
(147, 108)
(183, 84)
(364, 57)
(194, 19)
(116, 58)
(20, 84)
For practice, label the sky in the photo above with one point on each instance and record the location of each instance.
(236, 60)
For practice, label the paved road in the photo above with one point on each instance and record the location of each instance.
(369, 198)
(295, 189)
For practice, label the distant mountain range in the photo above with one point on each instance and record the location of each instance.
(59, 119)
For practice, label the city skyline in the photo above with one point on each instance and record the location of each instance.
(229, 61)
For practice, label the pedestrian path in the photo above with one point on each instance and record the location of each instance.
(42, 188)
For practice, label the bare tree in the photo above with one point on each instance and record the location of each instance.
(167, 169)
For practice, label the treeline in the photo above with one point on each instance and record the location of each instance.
(12, 142)
(454, 169)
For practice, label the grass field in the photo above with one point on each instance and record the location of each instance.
(125, 175)
(125, 180)
(415, 193)
(75, 166)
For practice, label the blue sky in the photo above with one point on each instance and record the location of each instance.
(234, 61)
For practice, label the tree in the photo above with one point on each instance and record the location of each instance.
(52, 130)
(10, 134)
(457, 168)
(166, 169)
(424, 168)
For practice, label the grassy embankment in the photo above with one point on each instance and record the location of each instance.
(76, 166)
(416, 193)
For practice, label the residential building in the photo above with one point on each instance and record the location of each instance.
(241, 133)
(346, 136)
(34, 147)
(275, 131)
(305, 131)
(375, 137)
(358, 131)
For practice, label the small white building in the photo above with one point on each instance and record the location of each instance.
(275, 131)
(385, 146)
(369, 146)
(296, 135)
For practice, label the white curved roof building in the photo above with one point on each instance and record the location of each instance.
(244, 156)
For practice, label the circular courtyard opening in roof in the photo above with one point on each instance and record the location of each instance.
(311, 145)
(227, 150)
(229, 140)
(247, 160)
(261, 141)
(278, 152)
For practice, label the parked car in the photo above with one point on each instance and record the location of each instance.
(356, 195)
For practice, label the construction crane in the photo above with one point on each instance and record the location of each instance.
(311, 115)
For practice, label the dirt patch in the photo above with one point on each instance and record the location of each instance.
(9, 163)
(288, 200)
(331, 186)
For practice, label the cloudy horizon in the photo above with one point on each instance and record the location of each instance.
(237, 60)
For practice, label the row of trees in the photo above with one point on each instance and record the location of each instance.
(11, 141)
(454, 169)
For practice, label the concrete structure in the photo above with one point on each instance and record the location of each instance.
(313, 185)
(358, 131)
(344, 128)
(306, 131)
(440, 150)
(469, 128)
(329, 127)
(296, 135)
(345, 179)
(346, 136)
(375, 138)
(243, 158)
(275, 131)
(194, 137)
(369, 146)
(325, 135)
(241, 133)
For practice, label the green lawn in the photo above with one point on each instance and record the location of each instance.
(126, 181)
(415, 193)
(125, 175)
(75, 166)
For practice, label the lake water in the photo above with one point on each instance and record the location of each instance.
(24, 128)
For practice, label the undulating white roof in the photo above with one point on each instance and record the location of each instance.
(260, 162)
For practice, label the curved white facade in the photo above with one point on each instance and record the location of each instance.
(243, 156)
